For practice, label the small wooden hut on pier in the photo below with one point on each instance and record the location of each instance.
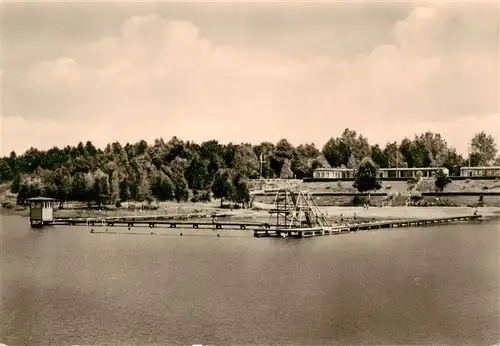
(41, 211)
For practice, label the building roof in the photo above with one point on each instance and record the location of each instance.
(413, 169)
(339, 169)
(41, 199)
(483, 167)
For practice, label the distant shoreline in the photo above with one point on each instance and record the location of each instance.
(260, 212)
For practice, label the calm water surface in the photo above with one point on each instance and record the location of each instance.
(63, 285)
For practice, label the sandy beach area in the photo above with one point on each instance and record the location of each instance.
(397, 212)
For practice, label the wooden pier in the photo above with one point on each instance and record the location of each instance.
(266, 229)
(151, 223)
(333, 230)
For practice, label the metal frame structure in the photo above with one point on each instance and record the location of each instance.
(296, 209)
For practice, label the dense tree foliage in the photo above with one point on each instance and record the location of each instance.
(366, 177)
(483, 149)
(180, 170)
(441, 180)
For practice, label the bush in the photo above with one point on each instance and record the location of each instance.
(366, 177)
(416, 195)
(201, 196)
(118, 204)
(8, 205)
(392, 193)
(358, 201)
(441, 180)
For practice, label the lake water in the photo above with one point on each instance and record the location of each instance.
(63, 285)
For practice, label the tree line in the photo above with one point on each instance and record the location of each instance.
(183, 170)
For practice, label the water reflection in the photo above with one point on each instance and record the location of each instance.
(434, 285)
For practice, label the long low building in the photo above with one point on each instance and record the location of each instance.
(348, 173)
(493, 171)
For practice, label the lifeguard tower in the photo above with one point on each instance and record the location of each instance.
(41, 211)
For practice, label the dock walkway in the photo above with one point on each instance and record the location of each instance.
(266, 229)
(322, 231)
(159, 223)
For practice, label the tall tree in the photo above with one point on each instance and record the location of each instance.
(349, 146)
(308, 150)
(378, 156)
(245, 161)
(435, 147)
(16, 184)
(79, 187)
(284, 151)
(266, 149)
(125, 190)
(223, 185)
(164, 189)
(114, 187)
(101, 187)
(420, 154)
(497, 162)
(214, 153)
(241, 191)
(90, 190)
(64, 182)
(141, 186)
(334, 152)
(197, 173)
(181, 191)
(453, 162)
(393, 155)
(286, 170)
(483, 146)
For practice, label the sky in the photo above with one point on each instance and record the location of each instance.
(247, 71)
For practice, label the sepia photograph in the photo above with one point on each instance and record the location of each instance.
(249, 172)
